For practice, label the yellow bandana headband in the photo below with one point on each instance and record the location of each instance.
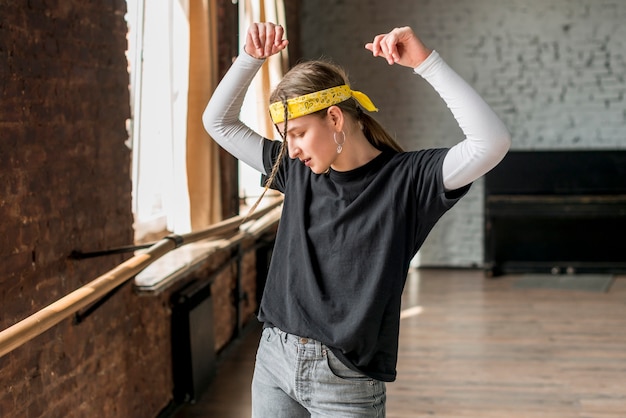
(312, 102)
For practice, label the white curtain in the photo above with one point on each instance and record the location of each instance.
(160, 75)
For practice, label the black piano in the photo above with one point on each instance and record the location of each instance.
(556, 212)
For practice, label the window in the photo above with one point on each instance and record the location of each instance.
(172, 76)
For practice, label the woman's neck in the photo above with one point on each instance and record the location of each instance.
(357, 151)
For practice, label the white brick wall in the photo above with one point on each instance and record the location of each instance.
(554, 70)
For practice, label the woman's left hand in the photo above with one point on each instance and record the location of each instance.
(400, 46)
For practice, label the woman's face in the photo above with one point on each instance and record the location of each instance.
(310, 139)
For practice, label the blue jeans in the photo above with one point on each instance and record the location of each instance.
(300, 377)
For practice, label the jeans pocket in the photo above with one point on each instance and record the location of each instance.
(269, 334)
(340, 370)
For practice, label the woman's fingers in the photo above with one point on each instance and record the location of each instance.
(391, 46)
(383, 46)
(399, 46)
(265, 39)
(279, 32)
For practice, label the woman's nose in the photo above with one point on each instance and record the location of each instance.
(294, 151)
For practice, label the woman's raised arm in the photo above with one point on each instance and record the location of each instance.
(221, 116)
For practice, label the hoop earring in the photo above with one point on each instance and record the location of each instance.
(343, 141)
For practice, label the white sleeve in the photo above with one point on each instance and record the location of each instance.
(486, 141)
(221, 116)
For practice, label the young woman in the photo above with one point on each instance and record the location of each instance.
(357, 209)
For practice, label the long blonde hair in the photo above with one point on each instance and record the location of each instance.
(312, 76)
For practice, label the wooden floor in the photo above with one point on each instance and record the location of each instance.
(476, 347)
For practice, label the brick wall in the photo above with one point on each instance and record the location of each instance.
(552, 69)
(65, 185)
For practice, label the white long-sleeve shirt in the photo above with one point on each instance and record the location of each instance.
(486, 138)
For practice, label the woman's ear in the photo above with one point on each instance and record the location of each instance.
(335, 117)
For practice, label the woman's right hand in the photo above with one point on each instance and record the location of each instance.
(264, 40)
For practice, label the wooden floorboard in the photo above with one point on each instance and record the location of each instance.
(481, 348)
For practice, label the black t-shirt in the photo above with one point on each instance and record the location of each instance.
(343, 248)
